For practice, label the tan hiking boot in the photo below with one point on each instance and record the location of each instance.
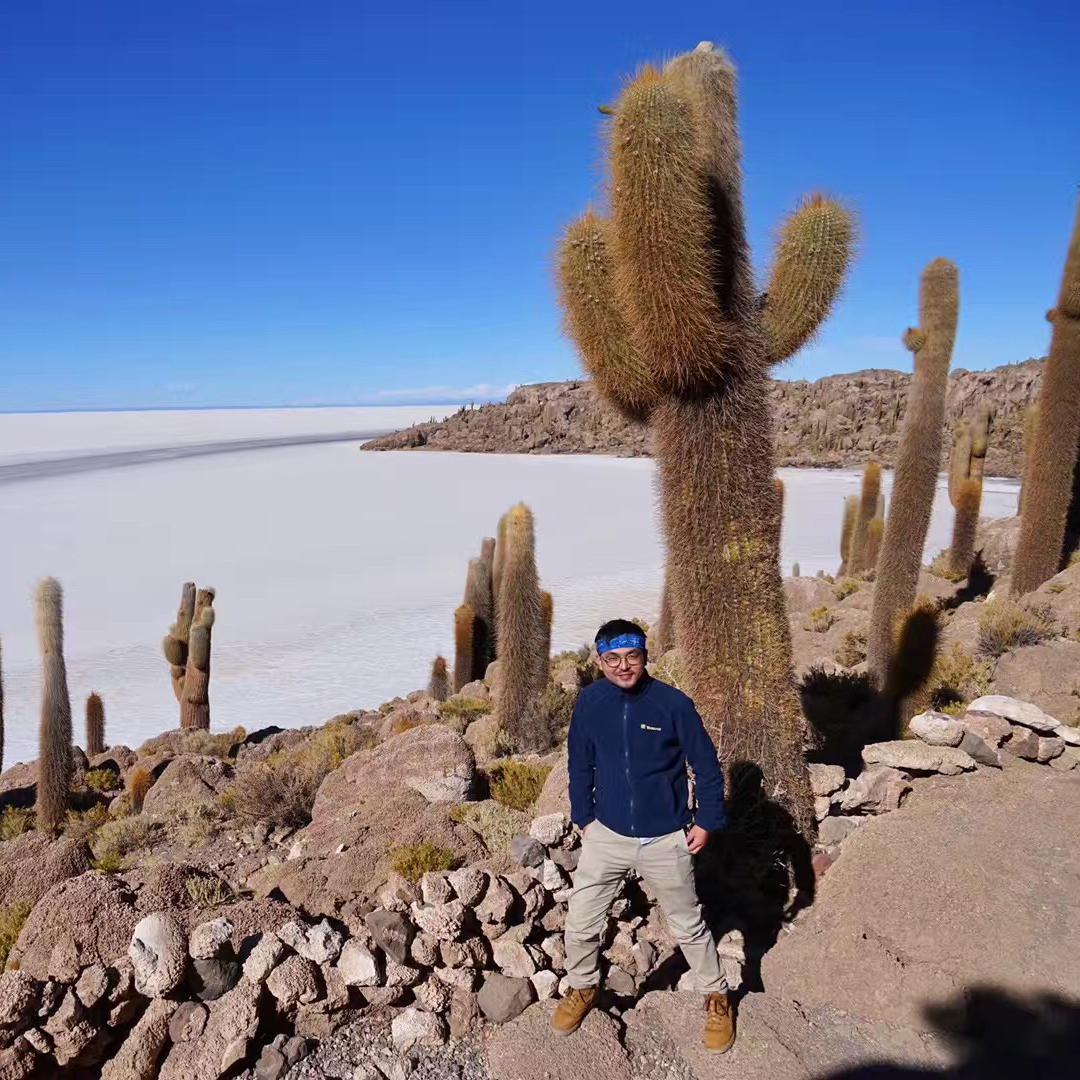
(573, 1009)
(719, 1023)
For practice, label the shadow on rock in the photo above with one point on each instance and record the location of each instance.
(994, 1034)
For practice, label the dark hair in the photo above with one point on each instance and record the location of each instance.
(615, 627)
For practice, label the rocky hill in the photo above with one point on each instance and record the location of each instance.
(835, 422)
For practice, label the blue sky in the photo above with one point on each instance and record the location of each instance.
(230, 202)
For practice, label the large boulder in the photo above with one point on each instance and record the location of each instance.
(82, 921)
(159, 954)
(395, 795)
(915, 756)
(184, 782)
(18, 785)
(33, 863)
(951, 892)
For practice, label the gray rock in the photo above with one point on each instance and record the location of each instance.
(263, 958)
(435, 888)
(433, 995)
(358, 965)
(527, 851)
(320, 943)
(822, 807)
(92, 985)
(549, 829)
(234, 1053)
(501, 998)
(1024, 743)
(464, 1014)
(424, 950)
(158, 954)
(295, 1049)
(414, 1027)
(271, 1064)
(187, 1022)
(468, 884)
(210, 979)
(876, 790)
(567, 858)
(444, 922)
(513, 958)
(401, 974)
(545, 984)
(497, 904)
(1015, 711)
(140, 1052)
(211, 939)
(19, 998)
(1068, 760)
(473, 952)
(620, 982)
(936, 729)
(825, 779)
(397, 894)
(1069, 735)
(990, 727)
(551, 877)
(1050, 747)
(913, 755)
(979, 749)
(295, 981)
(834, 830)
(233, 1019)
(391, 931)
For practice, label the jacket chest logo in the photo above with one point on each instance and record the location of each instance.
(649, 727)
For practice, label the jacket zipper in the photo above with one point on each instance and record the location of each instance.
(626, 757)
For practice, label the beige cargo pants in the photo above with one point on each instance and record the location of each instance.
(667, 867)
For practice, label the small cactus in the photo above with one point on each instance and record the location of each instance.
(795, 572)
(464, 645)
(439, 686)
(95, 725)
(547, 604)
(55, 760)
(195, 700)
(966, 468)
(858, 560)
(139, 782)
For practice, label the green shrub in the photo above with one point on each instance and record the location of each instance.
(206, 892)
(120, 837)
(1007, 624)
(83, 824)
(517, 784)
(464, 708)
(852, 649)
(1056, 587)
(845, 587)
(494, 823)
(219, 745)
(102, 780)
(819, 620)
(413, 861)
(109, 862)
(942, 567)
(956, 678)
(407, 721)
(12, 919)
(14, 821)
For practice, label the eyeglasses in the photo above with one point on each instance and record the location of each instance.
(615, 660)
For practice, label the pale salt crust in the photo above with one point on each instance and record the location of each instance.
(337, 571)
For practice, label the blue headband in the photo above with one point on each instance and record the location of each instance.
(623, 641)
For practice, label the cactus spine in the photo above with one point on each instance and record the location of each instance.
(439, 686)
(464, 645)
(858, 555)
(918, 459)
(55, 761)
(1048, 479)
(681, 277)
(95, 725)
(523, 633)
(195, 695)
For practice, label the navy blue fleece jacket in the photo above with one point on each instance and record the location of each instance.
(628, 751)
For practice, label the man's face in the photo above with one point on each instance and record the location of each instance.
(623, 667)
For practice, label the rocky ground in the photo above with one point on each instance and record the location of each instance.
(220, 931)
(837, 422)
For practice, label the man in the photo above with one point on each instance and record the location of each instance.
(630, 740)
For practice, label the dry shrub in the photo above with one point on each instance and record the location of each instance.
(464, 708)
(282, 789)
(845, 587)
(494, 823)
(205, 892)
(83, 824)
(406, 722)
(413, 861)
(14, 821)
(942, 567)
(120, 837)
(517, 784)
(102, 780)
(1007, 624)
(819, 620)
(11, 923)
(852, 649)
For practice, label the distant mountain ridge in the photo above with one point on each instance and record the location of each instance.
(837, 421)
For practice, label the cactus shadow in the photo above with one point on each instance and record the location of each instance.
(995, 1034)
(846, 713)
(757, 873)
(978, 584)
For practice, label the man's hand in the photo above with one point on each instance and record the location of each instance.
(696, 839)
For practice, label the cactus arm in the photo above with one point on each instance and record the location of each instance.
(595, 322)
(813, 254)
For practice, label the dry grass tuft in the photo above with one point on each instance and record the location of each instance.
(11, 923)
(852, 649)
(1007, 624)
(413, 861)
(14, 821)
(845, 587)
(517, 784)
(819, 620)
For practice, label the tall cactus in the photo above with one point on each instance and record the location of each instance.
(665, 294)
(966, 469)
(523, 634)
(918, 460)
(847, 532)
(478, 596)
(858, 557)
(464, 645)
(664, 633)
(1048, 480)
(55, 759)
(95, 725)
(175, 645)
